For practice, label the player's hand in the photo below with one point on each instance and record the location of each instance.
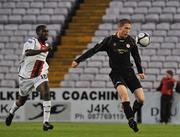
(50, 47)
(47, 48)
(74, 64)
(141, 75)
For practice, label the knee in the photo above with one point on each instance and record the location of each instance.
(124, 97)
(139, 94)
(141, 100)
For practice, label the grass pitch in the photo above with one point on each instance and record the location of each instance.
(88, 130)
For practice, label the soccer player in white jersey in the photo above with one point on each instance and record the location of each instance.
(33, 72)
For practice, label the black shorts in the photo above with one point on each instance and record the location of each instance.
(125, 77)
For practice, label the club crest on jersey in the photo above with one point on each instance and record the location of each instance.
(114, 44)
(128, 46)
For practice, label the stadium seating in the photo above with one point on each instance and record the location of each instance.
(78, 34)
(18, 21)
(160, 18)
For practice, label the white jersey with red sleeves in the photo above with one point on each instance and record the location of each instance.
(33, 66)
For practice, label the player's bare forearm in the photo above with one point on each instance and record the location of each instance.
(141, 75)
(31, 52)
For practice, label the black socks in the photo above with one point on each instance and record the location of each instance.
(128, 110)
(136, 106)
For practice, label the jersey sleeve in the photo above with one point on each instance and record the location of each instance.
(100, 46)
(30, 44)
(136, 57)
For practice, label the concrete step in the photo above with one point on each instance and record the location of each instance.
(58, 74)
(61, 62)
(82, 26)
(75, 39)
(54, 84)
(80, 31)
(62, 59)
(99, 1)
(77, 36)
(92, 7)
(70, 46)
(65, 53)
(80, 18)
(95, 13)
(54, 78)
(76, 20)
(71, 50)
(58, 69)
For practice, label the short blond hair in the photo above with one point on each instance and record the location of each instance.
(124, 21)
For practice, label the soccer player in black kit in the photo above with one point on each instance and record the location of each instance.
(119, 47)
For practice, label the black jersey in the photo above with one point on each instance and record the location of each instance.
(118, 50)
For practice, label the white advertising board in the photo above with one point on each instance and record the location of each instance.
(83, 105)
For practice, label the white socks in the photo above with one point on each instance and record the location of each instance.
(46, 110)
(13, 108)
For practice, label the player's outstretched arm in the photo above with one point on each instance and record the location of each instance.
(101, 46)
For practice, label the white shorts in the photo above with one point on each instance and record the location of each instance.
(26, 85)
